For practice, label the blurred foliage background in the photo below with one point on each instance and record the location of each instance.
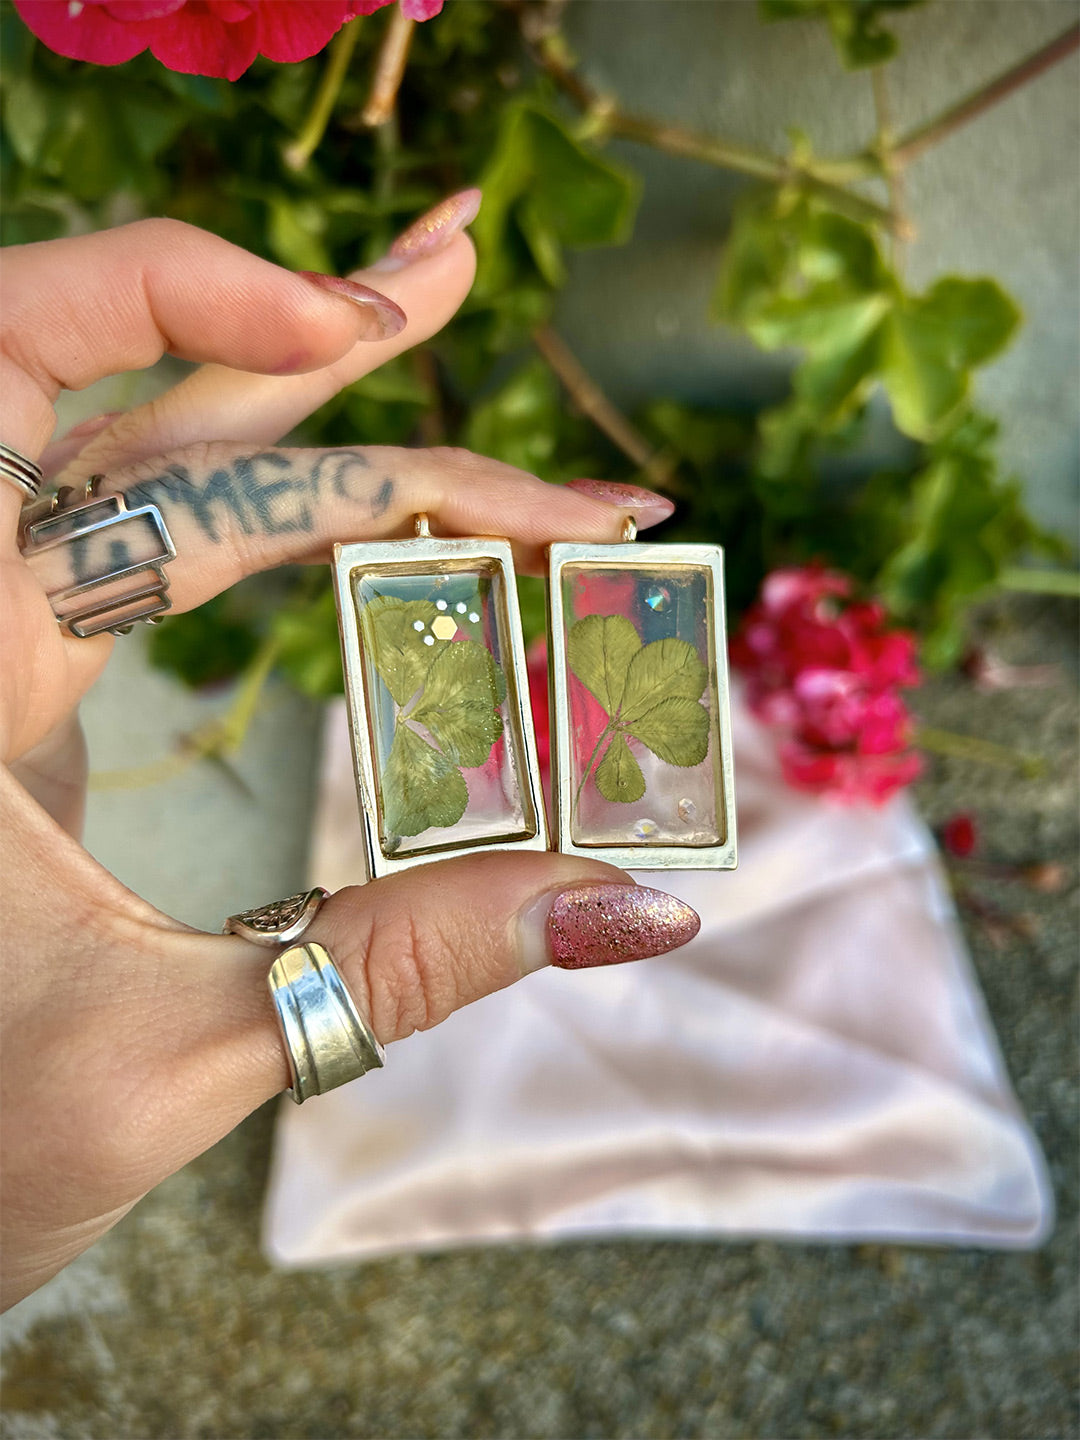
(318, 165)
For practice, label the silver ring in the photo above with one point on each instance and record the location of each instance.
(327, 1043)
(101, 564)
(281, 922)
(22, 472)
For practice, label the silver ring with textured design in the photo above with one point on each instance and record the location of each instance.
(327, 1041)
(23, 473)
(282, 922)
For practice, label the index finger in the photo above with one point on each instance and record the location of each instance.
(78, 309)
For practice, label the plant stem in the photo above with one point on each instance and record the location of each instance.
(340, 53)
(212, 741)
(389, 69)
(1042, 582)
(923, 136)
(607, 730)
(656, 466)
(983, 752)
(884, 150)
(552, 53)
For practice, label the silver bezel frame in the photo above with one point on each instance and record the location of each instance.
(623, 557)
(427, 551)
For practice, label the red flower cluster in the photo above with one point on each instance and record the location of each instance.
(198, 37)
(824, 669)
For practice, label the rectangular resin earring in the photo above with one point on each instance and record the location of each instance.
(435, 678)
(642, 771)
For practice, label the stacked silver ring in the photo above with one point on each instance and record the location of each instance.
(327, 1041)
(22, 472)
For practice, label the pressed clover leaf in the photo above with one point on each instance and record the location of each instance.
(650, 693)
(458, 704)
(421, 787)
(677, 730)
(453, 690)
(600, 649)
(658, 671)
(396, 645)
(618, 776)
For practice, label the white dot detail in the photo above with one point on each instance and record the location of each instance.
(461, 607)
(474, 617)
(440, 604)
(417, 624)
(429, 639)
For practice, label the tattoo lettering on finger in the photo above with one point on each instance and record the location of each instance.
(347, 472)
(271, 492)
(381, 500)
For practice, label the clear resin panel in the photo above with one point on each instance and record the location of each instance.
(443, 712)
(644, 724)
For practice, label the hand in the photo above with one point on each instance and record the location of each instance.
(130, 1041)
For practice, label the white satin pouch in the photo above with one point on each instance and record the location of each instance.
(818, 1063)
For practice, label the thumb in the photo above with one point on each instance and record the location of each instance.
(416, 946)
(168, 1037)
(412, 948)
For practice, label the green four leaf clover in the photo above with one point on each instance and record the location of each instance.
(453, 690)
(649, 693)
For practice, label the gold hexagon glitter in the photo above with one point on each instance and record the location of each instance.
(443, 628)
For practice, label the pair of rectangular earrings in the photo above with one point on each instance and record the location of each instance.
(440, 718)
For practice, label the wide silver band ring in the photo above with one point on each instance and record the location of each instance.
(282, 922)
(23, 473)
(101, 564)
(327, 1042)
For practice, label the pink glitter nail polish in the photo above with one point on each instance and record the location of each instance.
(608, 924)
(433, 231)
(626, 497)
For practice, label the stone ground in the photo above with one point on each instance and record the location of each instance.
(175, 1327)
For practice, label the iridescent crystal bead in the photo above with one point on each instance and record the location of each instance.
(686, 811)
(658, 597)
(645, 829)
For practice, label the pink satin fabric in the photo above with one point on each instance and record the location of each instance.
(817, 1064)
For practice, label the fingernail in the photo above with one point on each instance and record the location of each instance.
(592, 925)
(382, 317)
(649, 508)
(86, 428)
(433, 231)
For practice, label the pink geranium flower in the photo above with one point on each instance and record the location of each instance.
(198, 37)
(824, 670)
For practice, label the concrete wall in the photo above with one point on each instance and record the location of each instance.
(999, 197)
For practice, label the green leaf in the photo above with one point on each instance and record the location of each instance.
(296, 234)
(600, 650)
(395, 644)
(824, 323)
(459, 702)
(618, 776)
(30, 115)
(309, 652)
(545, 188)
(855, 25)
(924, 388)
(929, 345)
(676, 730)
(92, 150)
(976, 319)
(421, 788)
(660, 671)
(519, 423)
